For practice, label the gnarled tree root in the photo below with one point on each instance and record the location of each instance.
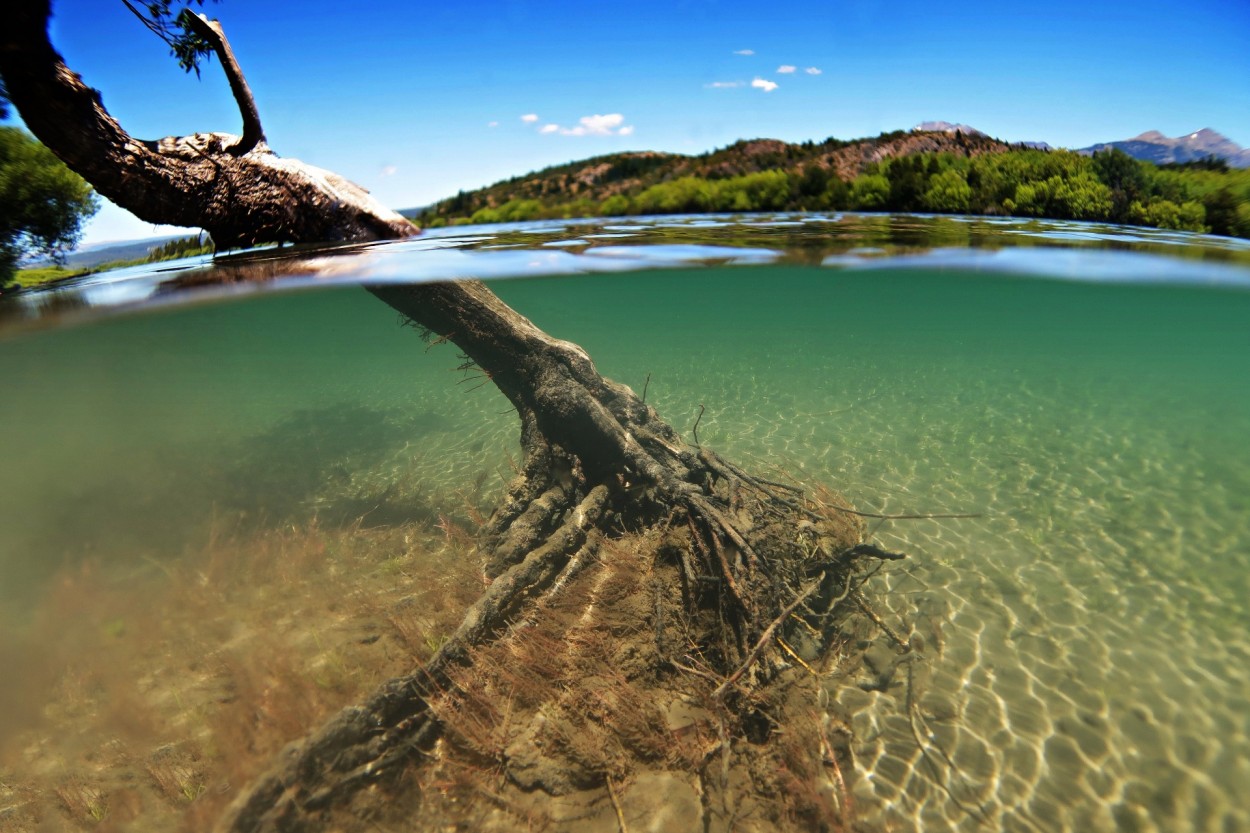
(756, 558)
(379, 738)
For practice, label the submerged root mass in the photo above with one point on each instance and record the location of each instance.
(605, 697)
(631, 578)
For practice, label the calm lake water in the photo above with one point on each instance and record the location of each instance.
(1085, 388)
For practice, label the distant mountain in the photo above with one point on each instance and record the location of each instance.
(967, 129)
(1153, 146)
(94, 254)
(945, 127)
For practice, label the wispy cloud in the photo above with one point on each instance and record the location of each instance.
(786, 69)
(493, 124)
(529, 118)
(745, 52)
(390, 170)
(549, 128)
(812, 71)
(627, 130)
(723, 85)
(764, 84)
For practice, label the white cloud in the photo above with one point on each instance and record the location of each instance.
(745, 52)
(762, 84)
(601, 125)
(786, 69)
(723, 85)
(390, 170)
(611, 124)
(493, 124)
(529, 118)
(812, 71)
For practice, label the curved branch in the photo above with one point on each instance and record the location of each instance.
(253, 133)
(69, 117)
(210, 181)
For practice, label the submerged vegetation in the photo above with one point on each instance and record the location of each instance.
(142, 695)
(944, 175)
(153, 687)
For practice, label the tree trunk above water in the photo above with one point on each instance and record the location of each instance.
(235, 188)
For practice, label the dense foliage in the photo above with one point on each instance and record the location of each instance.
(43, 204)
(1024, 182)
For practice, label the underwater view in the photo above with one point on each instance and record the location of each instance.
(239, 494)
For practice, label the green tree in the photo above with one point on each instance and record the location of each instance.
(1078, 197)
(1221, 211)
(812, 184)
(763, 191)
(1188, 216)
(908, 177)
(614, 206)
(485, 216)
(43, 204)
(1125, 176)
(1241, 224)
(870, 192)
(687, 193)
(948, 192)
(837, 195)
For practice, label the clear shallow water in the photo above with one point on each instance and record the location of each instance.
(1086, 388)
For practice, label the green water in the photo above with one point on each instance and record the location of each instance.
(1094, 671)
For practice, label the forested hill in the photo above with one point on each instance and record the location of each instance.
(591, 181)
(926, 171)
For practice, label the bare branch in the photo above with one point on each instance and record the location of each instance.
(211, 31)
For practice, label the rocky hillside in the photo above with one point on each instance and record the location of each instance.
(628, 174)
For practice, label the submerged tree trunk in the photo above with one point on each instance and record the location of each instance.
(749, 559)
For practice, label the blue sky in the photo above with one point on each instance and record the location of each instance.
(418, 100)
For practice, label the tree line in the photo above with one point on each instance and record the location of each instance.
(191, 246)
(1109, 186)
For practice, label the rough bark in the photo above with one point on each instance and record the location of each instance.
(752, 556)
(234, 188)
